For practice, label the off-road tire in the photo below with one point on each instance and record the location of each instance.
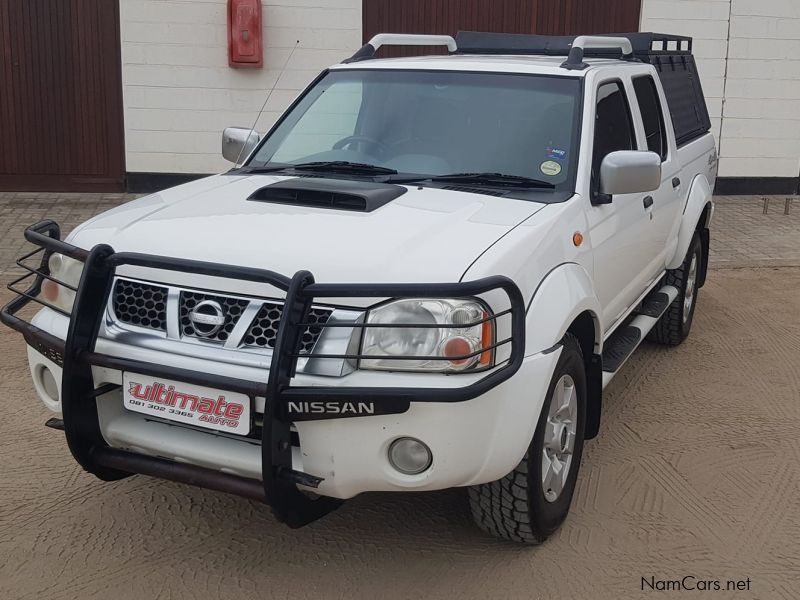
(671, 328)
(514, 507)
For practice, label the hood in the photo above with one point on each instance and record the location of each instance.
(425, 235)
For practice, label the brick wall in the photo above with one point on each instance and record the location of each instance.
(179, 92)
(756, 114)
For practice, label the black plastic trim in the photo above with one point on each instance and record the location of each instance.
(705, 243)
(54, 423)
(336, 194)
(654, 305)
(594, 376)
(619, 347)
(750, 186)
(366, 52)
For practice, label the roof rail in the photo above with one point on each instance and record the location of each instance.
(596, 42)
(368, 50)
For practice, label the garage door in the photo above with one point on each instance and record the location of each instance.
(549, 17)
(60, 96)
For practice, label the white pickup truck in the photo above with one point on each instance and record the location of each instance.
(421, 278)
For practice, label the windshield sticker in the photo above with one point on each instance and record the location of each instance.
(550, 167)
(556, 153)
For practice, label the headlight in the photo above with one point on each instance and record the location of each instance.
(458, 346)
(67, 270)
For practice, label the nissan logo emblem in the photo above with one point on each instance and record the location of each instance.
(207, 318)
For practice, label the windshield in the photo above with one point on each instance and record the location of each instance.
(434, 123)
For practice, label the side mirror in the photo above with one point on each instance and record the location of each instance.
(630, 172)
(238, 143)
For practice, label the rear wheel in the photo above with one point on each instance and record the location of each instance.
(532, 501)
(675, 324)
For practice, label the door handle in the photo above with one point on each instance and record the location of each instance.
(647, 201)
(676, 182)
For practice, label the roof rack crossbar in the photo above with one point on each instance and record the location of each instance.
(368, 50)
(596, 42)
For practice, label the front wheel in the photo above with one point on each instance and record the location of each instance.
(532, 501)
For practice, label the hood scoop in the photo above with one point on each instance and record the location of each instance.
(336, 194)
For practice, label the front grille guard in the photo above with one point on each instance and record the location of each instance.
(279, 485)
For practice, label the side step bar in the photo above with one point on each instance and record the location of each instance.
(622, 343)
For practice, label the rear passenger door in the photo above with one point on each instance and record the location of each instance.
(666, 207)
(620, 228)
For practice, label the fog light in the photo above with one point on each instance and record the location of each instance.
(49, 384)
(409, 456)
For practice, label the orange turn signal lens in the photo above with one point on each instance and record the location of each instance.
(457, 347)
(487, 339)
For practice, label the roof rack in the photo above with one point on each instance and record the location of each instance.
(627, 46)
(368, 50)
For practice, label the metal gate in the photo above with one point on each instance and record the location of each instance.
(548, 17)
(61, 122)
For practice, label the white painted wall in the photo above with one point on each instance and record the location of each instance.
(756, 114)
(179, 92)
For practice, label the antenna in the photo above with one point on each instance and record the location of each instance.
(269, 95)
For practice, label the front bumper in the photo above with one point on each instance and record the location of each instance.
(474, 441)
(480, 440)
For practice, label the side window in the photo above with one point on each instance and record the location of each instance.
(613, 129)
(652, 117)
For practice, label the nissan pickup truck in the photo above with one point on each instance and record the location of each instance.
(422, 277)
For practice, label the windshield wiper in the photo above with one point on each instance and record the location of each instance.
(265, 168)
(344, 166)
(498, 179)
(333, 166)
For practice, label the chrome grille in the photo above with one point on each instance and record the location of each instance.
(264, 329)
(140, 304)
(146, 305)
(232, 308)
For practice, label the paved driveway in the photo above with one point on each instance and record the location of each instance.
(695, 473)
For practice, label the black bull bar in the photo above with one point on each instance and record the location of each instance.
(279, 485)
